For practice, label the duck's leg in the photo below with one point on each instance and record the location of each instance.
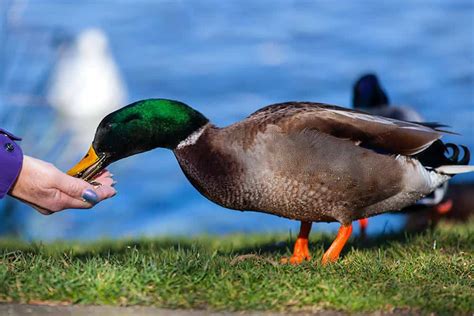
(332, 254)
(363, 223)
(301, 251)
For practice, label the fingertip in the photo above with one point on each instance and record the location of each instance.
(90, 196)
(106, 192)
(102, 182)
(106, 173)
(103, 174)
(113, 192)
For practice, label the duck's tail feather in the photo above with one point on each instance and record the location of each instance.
(438, 156)
(453, 169)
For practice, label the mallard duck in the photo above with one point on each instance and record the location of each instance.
(301, 160)
(369, 95)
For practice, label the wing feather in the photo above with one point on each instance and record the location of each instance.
(394, 136)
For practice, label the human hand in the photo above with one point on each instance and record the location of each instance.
(48, 190)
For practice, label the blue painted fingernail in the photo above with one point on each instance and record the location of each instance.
(90, 196)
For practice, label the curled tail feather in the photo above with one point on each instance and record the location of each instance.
(455, 156)
(437, 156)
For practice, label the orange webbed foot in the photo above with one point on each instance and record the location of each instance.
(300, 252)
(301, 249)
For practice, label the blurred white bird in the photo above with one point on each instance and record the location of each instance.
(86, 84)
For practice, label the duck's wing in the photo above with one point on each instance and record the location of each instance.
(402, 113)
(379, 133)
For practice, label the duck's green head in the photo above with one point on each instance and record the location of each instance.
(136, 128)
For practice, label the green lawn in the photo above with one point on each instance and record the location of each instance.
(431, 271)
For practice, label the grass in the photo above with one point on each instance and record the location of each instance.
(432, 271)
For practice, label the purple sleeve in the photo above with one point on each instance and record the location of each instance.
(11, 160)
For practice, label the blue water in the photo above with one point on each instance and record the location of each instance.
(227, 59)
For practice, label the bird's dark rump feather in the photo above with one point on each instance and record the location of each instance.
(438, 154)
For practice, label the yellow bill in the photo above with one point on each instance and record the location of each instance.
(90, 160)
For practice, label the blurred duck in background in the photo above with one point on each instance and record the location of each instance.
(369, 96)
(462, 195)
(86, 84)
